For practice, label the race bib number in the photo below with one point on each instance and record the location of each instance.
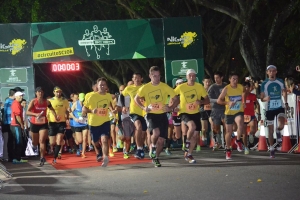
(275, 104)
(247, 118)
(207, 107)
(102, 112)
(40, 120)
(190, 107)
(236, 106)
(157, 106)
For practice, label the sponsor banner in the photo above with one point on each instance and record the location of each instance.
(183, 48)
(23, 77)
(97, 40)
(15, 45)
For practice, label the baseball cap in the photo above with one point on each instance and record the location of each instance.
(56, 88)
(38, 89)
(81, 96)
(18, 89)
(271, 67)
(19, 94)
(190, 71)
(179, 81)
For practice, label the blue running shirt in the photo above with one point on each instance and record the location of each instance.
(273, 89)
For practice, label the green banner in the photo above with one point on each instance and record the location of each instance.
(183, 48)
(15, 45)
(17, 77)
(97, 40)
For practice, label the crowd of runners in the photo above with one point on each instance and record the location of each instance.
(149, 115)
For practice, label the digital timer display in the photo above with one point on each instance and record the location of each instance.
(65, 67)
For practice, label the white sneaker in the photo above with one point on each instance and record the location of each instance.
(246, 151)
(105, 161)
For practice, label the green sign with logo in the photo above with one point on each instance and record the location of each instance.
(13, 75)
(183, 48)
(5, 92)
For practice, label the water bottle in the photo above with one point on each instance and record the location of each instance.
(39, 115)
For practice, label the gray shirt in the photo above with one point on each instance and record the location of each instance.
(214, 92)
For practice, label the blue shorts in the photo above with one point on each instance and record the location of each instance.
(98, 131)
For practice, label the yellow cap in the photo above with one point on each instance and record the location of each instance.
(81, 96)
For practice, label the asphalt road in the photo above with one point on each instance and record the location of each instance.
(253, 176)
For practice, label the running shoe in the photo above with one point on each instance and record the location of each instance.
(98, 157)
(272, 153)
(246, 151)
(115, 149)
(15, 161)
(78, 152)
(239, 145)
(111, 154)
(42, 162)
(198, 148)
(54, 162)
(156, 162)
(91, 148)
(132, 147)
(228, 154)
(83, 155)
(190, 159)
(126, 156)
(105, 161)
(168, 152)
(139, 154)
(216, 147)
(59, 156)
(152, 153)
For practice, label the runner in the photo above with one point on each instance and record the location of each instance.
(155, 94)
(249, 115)
(205, 111)
(98, 106)
(57, 124)
(271, 91)
(80, 124)
(217, 111)
(233, 97)
(136, 114)
(37, 109)
(17, 128)
(190, 94)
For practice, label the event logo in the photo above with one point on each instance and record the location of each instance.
(96, 40)
(15, 46)
(186, 39)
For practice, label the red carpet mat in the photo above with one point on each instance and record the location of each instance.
(71, 161)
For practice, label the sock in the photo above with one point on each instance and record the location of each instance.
(187, 144)
(184, 138)
(140, 148)
(56, 151)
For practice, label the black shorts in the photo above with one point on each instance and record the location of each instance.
(270, 114)
(135, 117)
(176, 121)
(6, 128)
(68, 134)
(35, 128)
(185, 117)
(229, 119)
(80, 128)
(56, 127)
(73, 129)
(205, 114)
(158, 121)
(98, 131)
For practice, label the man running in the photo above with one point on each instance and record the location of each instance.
(271, 91)
(155, 94)
(37, 109)
(190, 94)
(136, 114)
(57, 124)
(98, 106)
(217, 111)
(233, 97)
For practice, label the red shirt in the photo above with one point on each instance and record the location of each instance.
(16, 110)
(250, 100)
(38, 108)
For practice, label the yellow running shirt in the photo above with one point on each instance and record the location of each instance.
(102, 103)
(131, 90)
(188, 96)
(156, 96)
(234, 95)
(60, 105)
(88, 95)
